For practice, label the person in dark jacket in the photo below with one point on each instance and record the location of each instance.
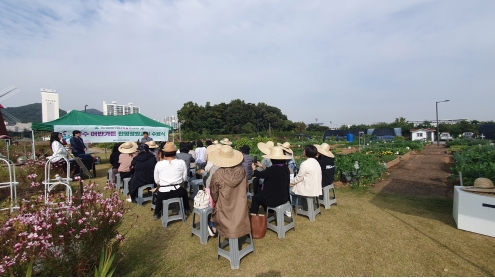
(77, 144)
(143, 167)
(114, 160)
(275, 188)
(247, 161)
(326, 159)
(184, 155)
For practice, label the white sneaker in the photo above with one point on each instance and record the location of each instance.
(129, 200)
(210, 231)
(288, 213)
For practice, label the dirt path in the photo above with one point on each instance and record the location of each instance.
(423, 174)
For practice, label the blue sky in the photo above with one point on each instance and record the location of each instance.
(347, 62)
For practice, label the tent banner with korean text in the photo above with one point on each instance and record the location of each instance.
(106, 134)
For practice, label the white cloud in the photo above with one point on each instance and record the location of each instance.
(340, 61)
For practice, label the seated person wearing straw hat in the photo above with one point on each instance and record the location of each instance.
(291, 163)
(275, 189)
(265, 148)
(127, 153)
(307, 182)
(228, 189)
(153, 147)
(169, 175)
(326, 159)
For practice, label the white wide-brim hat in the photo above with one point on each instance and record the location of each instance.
(128, 147)
(324, 149)
(225, 156)
(225, 141)
(285, 146)
(152, 145)
(265, 147)
(277, 153)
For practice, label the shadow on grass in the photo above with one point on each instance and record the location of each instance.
(143, 249)
(270, 273)
(436, 208)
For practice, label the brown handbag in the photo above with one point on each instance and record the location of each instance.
(258, 225)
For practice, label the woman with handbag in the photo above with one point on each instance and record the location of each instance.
(275, 188)
(228, 189)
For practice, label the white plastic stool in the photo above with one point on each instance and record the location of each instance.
(109, 179)
(312, 210)
(327, 201)
(195, 185)
(166, 217)
(118, 181)
(140, 198)
(202, 233)
(280, 218)
(234, 255)
(126, 186)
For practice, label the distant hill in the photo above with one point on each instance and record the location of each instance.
(30, 113)
(93, 111)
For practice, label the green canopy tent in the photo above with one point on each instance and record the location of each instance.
(105, 129)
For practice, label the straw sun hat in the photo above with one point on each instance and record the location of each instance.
(128, 147)
(225, 141)
(324, 149)
(212, 148)
(215, 142)
(285, 146)
(169, 147)
(482, 185)
(277, 153)
(225, 156)
(265, 147)
(152, 144)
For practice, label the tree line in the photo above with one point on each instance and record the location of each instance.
(238, 117)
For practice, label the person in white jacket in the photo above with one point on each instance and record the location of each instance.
(307, 182)
(59, 152)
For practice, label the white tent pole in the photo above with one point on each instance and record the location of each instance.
(33, 149)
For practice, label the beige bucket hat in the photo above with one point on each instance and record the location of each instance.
(152, 145)
(225, 156)
(225, 141)
(324, 149)
(169, 147)
(265, 147)
(482, 185)
(286, 147)
(277, 153)
(128, 147)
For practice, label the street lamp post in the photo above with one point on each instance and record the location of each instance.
(438, 135)
(85, 108)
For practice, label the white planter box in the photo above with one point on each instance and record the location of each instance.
(474, 212)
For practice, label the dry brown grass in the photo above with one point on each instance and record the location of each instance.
(367, 234)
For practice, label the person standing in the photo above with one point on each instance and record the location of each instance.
(145, 138)
(77, 144)
(247, 161)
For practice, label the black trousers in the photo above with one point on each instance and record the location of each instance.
(257, 201)
(178, 193)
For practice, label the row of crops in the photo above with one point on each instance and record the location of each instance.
(473, 158)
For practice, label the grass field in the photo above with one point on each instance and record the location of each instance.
(367, 234)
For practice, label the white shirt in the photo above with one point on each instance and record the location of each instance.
(308, 179)
(170, 172)
(200, 154)
(59, 151)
